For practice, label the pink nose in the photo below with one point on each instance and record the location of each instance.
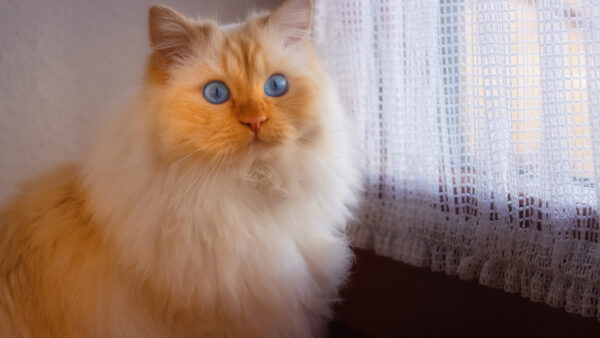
(253, 122)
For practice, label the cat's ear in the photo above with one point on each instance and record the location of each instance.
(293, 19)
(170, 33)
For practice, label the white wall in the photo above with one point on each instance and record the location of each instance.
(64, 62)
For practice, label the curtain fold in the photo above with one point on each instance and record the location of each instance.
(479, 122)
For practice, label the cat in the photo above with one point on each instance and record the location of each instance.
(214, 204)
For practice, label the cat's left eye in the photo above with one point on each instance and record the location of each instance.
(216, 92)
(276, 85)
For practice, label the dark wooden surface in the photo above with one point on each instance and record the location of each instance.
(385, 298)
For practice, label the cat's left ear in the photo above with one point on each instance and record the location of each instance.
(293, 19)
(170, 33)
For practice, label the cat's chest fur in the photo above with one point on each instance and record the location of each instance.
(248, 250)
(252, 227)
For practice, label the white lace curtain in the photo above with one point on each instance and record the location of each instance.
(480, 126)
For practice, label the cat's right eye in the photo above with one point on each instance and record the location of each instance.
(216, 92)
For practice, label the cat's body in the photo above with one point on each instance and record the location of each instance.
(179, 225)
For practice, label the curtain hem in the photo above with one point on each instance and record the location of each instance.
(575, 295)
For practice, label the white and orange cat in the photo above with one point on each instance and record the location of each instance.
(213, 205)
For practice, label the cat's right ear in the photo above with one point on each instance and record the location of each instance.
(293, 20)
(170, 34)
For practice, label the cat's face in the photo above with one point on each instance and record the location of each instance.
(233, 90)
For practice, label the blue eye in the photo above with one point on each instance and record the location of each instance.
(216, 92)
(276, 85)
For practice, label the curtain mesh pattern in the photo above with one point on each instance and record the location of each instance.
(480, 128)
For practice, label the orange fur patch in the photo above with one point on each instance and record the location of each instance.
(48, 242)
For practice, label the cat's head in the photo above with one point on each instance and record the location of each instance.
(233, 89)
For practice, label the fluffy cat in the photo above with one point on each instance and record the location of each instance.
(213, 205)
